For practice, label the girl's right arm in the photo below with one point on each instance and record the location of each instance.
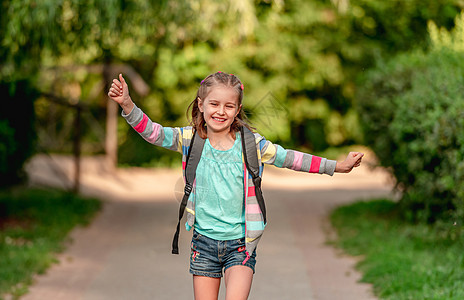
(119, 92)
(154, 133)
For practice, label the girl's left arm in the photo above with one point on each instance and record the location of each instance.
(285, 158)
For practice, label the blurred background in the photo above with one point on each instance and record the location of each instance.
(304, 65)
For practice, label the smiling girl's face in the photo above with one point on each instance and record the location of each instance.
(220, 108)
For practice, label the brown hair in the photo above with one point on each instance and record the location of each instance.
(219, 78)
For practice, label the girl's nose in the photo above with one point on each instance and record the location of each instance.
(220, 110)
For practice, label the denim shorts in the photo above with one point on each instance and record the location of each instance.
(208, 257)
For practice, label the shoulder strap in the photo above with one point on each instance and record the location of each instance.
(251, 161)
(193, 158)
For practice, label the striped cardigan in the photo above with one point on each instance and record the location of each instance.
(178, 139)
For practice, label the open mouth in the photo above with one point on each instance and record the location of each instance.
(219, 119)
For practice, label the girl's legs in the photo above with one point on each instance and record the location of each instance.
(206, 288)
(209, 257)
(238, 282)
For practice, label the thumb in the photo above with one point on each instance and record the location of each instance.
(123, 81)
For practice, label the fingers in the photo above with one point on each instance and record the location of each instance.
(356, 154)
(114, 92)
(119, 91)
(116, 84)
(116, 88)
(355, 159)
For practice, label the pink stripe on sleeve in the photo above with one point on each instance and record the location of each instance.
(253, 209)
(315, 164)
(154, 134)
(251, 191)
(142, 125)
(297, 160)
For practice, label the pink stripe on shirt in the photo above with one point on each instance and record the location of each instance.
(253, 209)
(315, 164)
(297, 161)
(142, 125)
(251, 191)
(154, 134)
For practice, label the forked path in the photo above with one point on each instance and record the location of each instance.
(125, 252)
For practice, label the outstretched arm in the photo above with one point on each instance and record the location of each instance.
(352, 160)
(152, 132)
(285, 158)
(119, 92)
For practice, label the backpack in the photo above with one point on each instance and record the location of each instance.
(193, 158)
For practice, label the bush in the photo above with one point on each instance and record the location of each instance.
(17, 130)
(412, 113)
(7, 146)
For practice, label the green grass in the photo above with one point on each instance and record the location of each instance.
(402, 260)
(34, 225)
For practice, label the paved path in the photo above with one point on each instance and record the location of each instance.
(125, 252)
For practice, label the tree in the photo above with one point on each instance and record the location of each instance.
(298, 59)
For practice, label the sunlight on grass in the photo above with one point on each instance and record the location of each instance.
(34, 225)
(402, 260)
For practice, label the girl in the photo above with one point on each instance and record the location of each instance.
(227, 223)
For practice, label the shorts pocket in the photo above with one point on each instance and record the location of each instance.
(240, 242)
(196, 236)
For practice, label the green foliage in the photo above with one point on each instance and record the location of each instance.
(412, 109)
(135, 151)
(402, 260)
(307, 53)
(33, 227)
(16, 129)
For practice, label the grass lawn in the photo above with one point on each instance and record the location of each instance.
(402, 260)
(34, 225)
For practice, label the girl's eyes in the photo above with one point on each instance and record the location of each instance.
(227, 106)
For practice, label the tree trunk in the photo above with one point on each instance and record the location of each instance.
(111, 139)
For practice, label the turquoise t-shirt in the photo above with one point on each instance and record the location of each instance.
(219, 197)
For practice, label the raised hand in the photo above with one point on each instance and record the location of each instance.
(119, 92)
(353, 160)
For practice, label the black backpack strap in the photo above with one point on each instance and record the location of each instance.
(251, 161)
(193, 158)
